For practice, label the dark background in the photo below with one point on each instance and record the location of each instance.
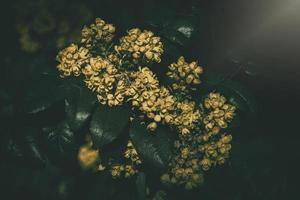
(262, 36)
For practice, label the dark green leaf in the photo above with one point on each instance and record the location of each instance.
(108, 123)
(141, 186)
(43, 92)
(253, 69)
(6, 104)
(238, 95)
(33, 147)
(27, 148)
(249, 67)
(181, 32)
(161, 19)
(212, 78)
(60, 140)
(78, 105)
(154, 148)
(13, 150)
(171, 52)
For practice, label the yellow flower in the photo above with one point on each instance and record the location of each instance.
(214, 100)
(165, 178)
(87, 156)
(101, 167)
(221, 113)
(152, 126)
(72, 59)
(98, 32)
(185, 152)
(206, 164)
(184, 74)
(141, 45)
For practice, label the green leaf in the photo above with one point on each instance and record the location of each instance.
(154, 148)
(43, 92)
(239, 96)
(108, 123)
(13, 150)
(6, 104)
(253, 69)
(33, 148)
(249, 67)
(79, 105)
(181, 32)
(211, 78)
(171, 52)
(161, 19)
(141, 186)
(26, 148)
(61, 141)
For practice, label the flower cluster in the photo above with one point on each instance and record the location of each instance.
(186, 75)
(89, 159)
(104, 78)
(185, 168)
(132, 154)
(153, 100)
(198, 152)
(118, 170)
(187, 116)
(141, 45)
(201, 142)
(215, 152)
(72, 59)
(115, 86)
(128, 169)
(159, 105)
(87, 156)
(97, 32)
(160, 109)
(220, 113)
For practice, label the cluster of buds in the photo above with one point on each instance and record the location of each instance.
(184, 74)
(96, 33)
(144, 93)
(220, 113)
(141, 45)
(185, 168)
(129, 169)
(187, 116)
(161, 109)
(118, 170)
(142, 80)
(159, 105)
(104, 78)
(87, 156)
(215, 152)
(72, 59)
(132, 154)
(194, 154)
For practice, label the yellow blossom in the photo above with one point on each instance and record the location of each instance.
(87, 156)
(141, 45)
(72, 59)
(186, 75)
(97, 32)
